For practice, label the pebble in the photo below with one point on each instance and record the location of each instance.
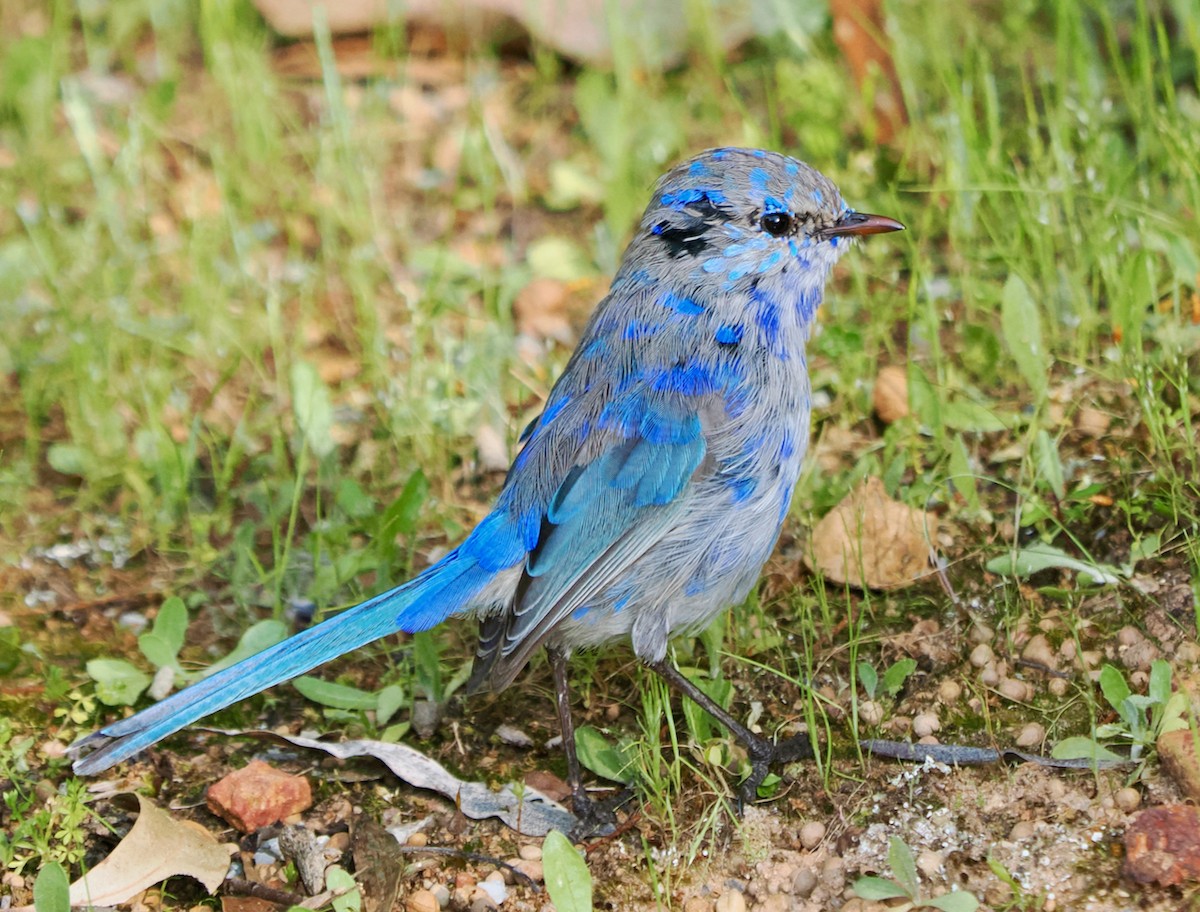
(804, 882)
(989, 676)
(530, 868)
(776, 902)
(1128, 799)
(981, 633)
(420, 840)
(949, 691)
(1039, 652)
(1031, 735)
(697, 904)
(530, 852)
(930, 863)
(870, 712)
(1021, 830)
(811, 834)
(982, 655)
(422, 901)
(1128, 636)
(1058, 686)
(925, 724)
(1012, 689)
(732, 901)
(442, 892)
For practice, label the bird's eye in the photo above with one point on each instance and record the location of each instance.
(776, 224)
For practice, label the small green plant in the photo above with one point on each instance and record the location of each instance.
(1140, 719)
(568, 880)
(905, 885)
(893, 678)
(41, 829)
(120, 683)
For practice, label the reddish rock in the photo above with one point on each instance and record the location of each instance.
(1163, 846)
(258, 795)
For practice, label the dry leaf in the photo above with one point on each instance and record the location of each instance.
(158, 847)
(872, 541)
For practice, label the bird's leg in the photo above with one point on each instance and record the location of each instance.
(592, 817)
(763, 753)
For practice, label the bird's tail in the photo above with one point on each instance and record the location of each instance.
(445, 589)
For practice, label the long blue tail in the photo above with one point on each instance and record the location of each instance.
(441, 591)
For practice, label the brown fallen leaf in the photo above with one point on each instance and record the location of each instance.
(158, 847)
(1163, 846)
(872, 541)
(258, 795)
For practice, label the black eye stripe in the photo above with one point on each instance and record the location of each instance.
(777, 224)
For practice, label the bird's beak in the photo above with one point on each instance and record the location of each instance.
(856, 224)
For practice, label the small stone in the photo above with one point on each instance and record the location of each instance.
(891, 393)
(982, 655)
(804, 882)
(731, 901)
(258, 795)
(925, 724)
(1058, 686)
(530, 852)
(1012, 689)
(1021, 830)
(930, 863)
(811, 834)
(442, 892)
(981, 633)
(418, 839)
(949, 691)
(989, 676)
(1129, 636)
(1177, 754)
(422, 901)
(1129, 799)
(1039, 652)
(513, 736)
(870, 712)
(697, 904)
(531, 868)
(1031, 735)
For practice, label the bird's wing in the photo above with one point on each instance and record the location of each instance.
(604, 514)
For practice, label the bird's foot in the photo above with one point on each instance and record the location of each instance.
(596, 818)
(763, 755)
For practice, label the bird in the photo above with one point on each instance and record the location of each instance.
(650, 491)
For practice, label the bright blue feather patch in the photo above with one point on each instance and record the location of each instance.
(818, 197)
(742, 488)
(699, 169)
(498, 542)
(680, 304)
(685, 198)
(771, 261)
(759, 178)
(641, 329)
(729, 334)
(792, 168)
(713, 264)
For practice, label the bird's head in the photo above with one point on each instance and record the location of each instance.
(741, 215)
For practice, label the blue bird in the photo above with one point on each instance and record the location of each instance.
(652, 488)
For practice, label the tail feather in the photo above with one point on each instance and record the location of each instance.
(441, 591)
